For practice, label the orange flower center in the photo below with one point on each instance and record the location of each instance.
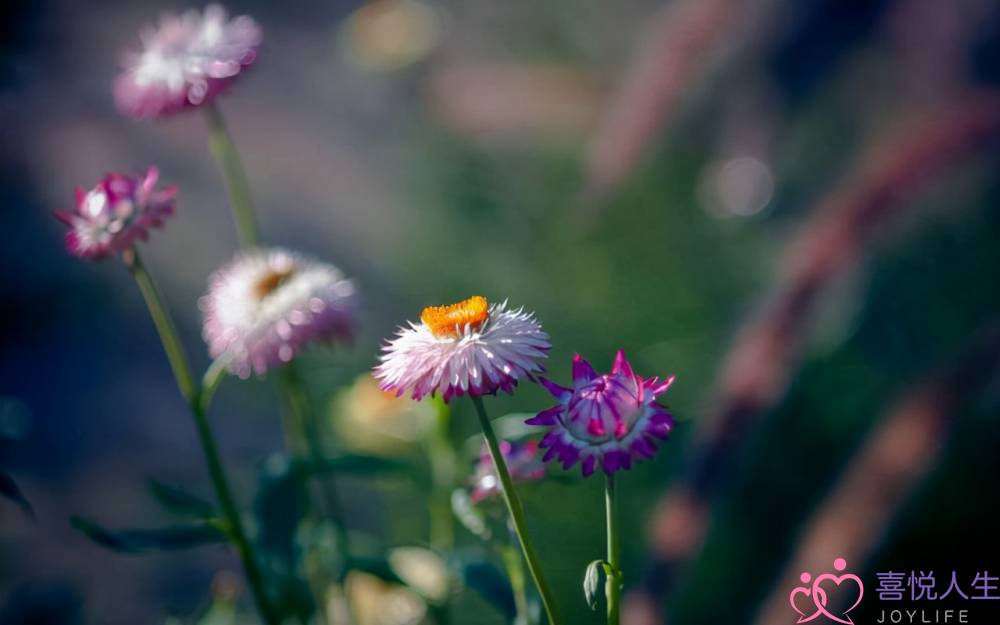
(271, 281)
(448, 321)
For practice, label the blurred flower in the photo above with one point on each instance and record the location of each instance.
(422, 570)
(469, 347)
(370, 419)
(114, 214)
(522, 462)
(386, 35)
(267, 304)
(612, 417)
(185, 62)
(375, 602)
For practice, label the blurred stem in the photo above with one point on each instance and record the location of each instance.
(212, 379)
(515, 572)
(306, 439)
(164, 325)
(516, 511)
(613, 583)
(193, 394)
(220, 142)
(441, 455)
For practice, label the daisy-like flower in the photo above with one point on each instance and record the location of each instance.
(186, 61)
(522, 460)
(470, 347)
(112, 216)
(611, 418)
(266, 305)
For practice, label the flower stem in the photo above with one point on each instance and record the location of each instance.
(306, 438)
(220, 142)
(192, 393)
(516, 511)
(613, 584)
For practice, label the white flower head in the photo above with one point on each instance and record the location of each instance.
(469, 347)
(266, 305)
(185, 61)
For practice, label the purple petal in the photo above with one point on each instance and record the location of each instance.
(559, 392)
(582, 371)
(546, 417)
(622, 365)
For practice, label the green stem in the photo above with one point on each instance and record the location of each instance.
(220, 142)
(164, 325)
(304, 439)
(516, 511)
(613, 584)
(307, 437)
(191, 392)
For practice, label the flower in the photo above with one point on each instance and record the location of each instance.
(267, 304)
(114, 214)
(469, 347)
(368, 419)
(187, 61)
(612, 417)
(522, 461)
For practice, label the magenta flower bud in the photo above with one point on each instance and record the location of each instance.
(116, 213)
(266, 305)
(523, 463)
(608, 419)
(185, 62)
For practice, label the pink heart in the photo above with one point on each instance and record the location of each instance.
(838, 591)
(802, 602)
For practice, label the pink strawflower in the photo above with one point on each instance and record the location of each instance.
(610, 418)
(185, 62)
(469, 347)
(523, 464)
(266, 305)
(112, 216)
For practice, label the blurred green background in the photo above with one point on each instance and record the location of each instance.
(488, 148)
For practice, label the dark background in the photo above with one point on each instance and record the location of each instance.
(463, 172)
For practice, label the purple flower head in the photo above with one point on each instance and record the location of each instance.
(610, 418)
(185, 62)
(266, 305)
(112, 216)
(522, 462)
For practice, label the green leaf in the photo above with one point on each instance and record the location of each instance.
(140, 540)
(179, 502)
(280, 504)
(592, 581)
(10, 490)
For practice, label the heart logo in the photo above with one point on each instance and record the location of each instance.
(827, 590)
(802, 602)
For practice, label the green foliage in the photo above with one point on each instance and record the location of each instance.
(180, 502)
(11, 491)
(142, 540)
